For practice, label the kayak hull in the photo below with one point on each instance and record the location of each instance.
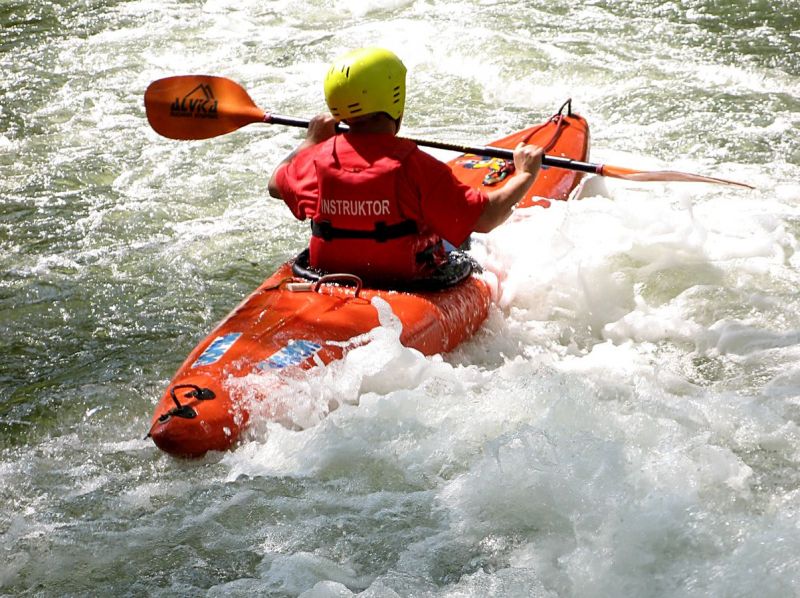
(280, 326)
(291, 323)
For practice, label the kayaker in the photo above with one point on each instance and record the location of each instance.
(379, 206)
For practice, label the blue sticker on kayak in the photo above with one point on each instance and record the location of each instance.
(295, 353)
(217, 349)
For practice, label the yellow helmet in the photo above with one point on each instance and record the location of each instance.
(366, 81)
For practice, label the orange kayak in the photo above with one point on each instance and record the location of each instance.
(290, 322)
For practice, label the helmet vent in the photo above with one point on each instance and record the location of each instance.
(354, 108)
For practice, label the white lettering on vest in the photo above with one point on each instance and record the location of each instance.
(344, 207)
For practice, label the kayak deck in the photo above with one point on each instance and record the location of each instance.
(291, 323)
(564, 135)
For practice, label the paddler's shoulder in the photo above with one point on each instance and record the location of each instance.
(378, 143)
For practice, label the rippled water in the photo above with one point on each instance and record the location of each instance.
(626, 422)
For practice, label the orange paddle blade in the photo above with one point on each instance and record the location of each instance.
(663, 175)
(199, 107)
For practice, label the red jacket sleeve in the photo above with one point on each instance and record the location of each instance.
(448, 206)
(297, 183)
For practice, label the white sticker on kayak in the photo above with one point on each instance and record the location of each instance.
(295, 353)
(217, 349)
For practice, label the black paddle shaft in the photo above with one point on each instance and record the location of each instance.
(479, 150)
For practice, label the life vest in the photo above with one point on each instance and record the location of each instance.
(358, 225)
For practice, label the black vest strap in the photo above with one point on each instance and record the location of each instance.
(381, 233)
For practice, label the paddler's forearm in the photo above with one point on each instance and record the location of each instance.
(501, 202)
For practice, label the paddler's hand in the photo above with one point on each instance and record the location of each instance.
(320, 128)
(500, 202)
(528, 158)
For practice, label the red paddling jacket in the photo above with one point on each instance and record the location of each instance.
(379, 207)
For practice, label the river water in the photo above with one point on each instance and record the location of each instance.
(624, 424)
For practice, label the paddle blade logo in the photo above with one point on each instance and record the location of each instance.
(198, 103)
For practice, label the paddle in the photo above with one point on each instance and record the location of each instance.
(205, 106)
